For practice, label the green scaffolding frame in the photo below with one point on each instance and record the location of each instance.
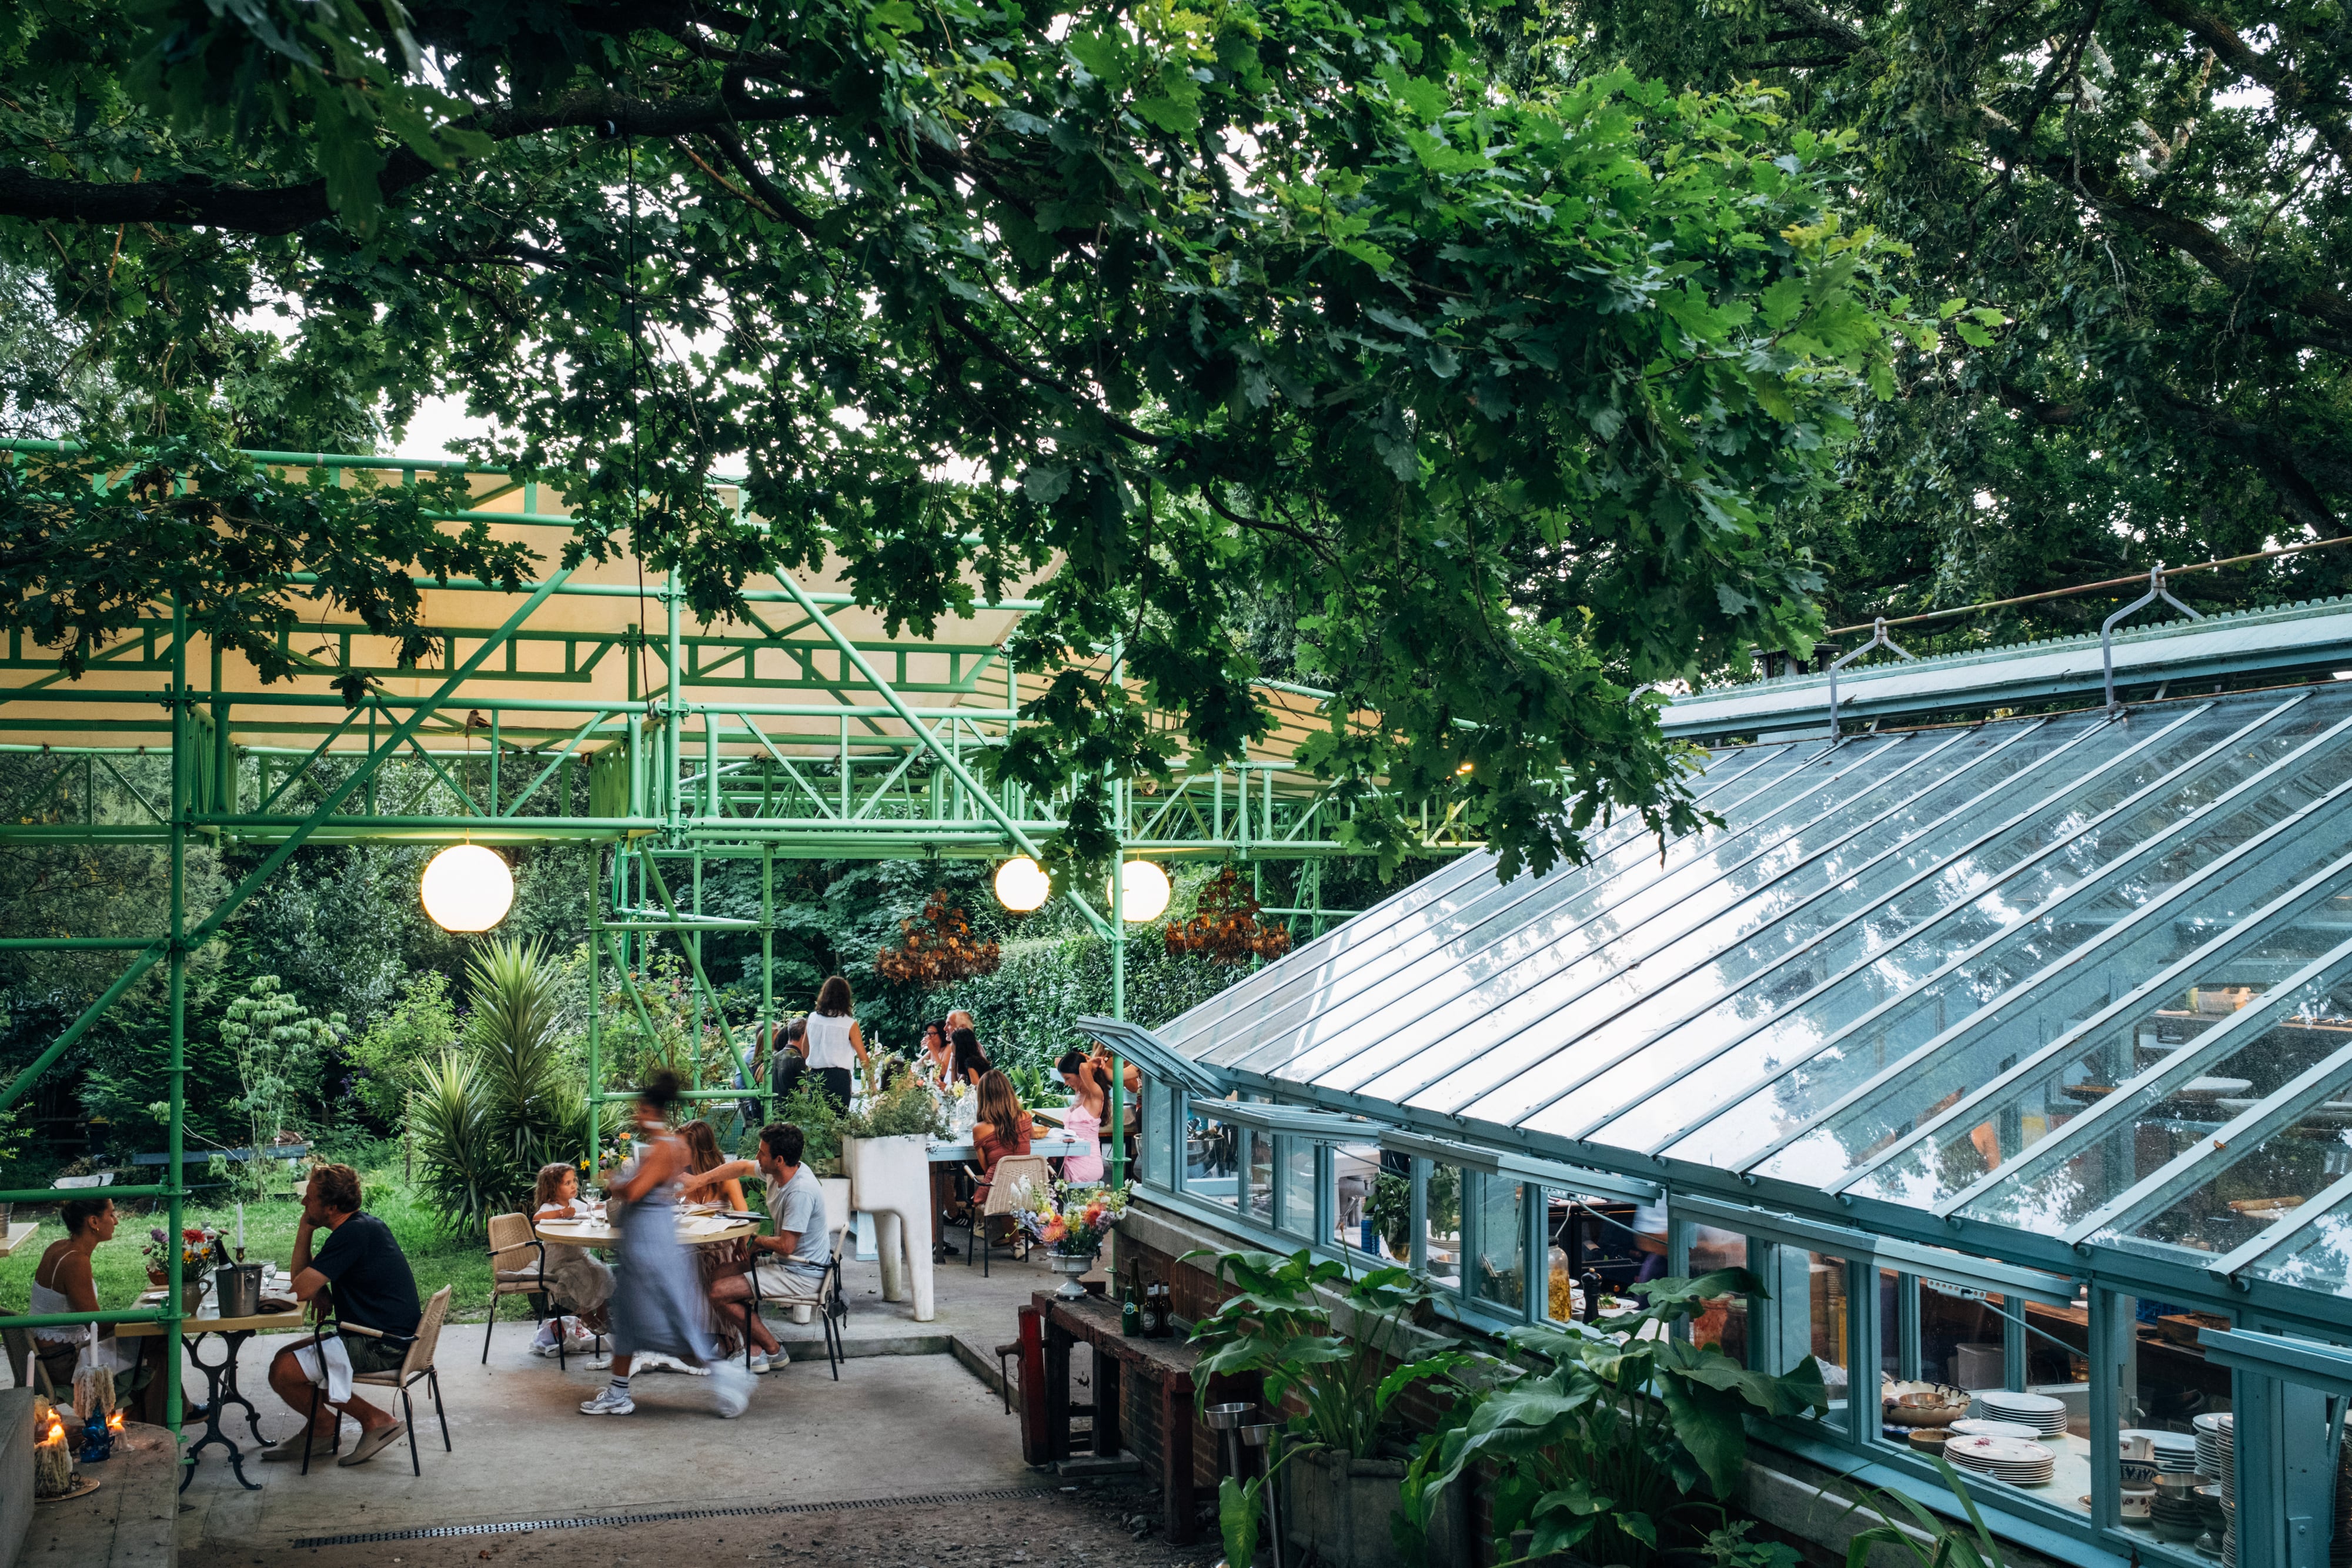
(675, 767)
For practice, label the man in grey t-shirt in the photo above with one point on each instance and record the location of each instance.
(791, 1262)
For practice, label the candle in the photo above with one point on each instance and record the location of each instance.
(240, 1229)
(52, 1458)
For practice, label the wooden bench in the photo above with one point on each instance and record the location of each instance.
(1049, 1327)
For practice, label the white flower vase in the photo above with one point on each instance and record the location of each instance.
(1071, 1264)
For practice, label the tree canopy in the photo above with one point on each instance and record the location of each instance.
(1504, 380)
(2157, 192)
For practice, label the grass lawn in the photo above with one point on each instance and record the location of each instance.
(121, 1271)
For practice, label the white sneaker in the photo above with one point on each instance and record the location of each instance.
(730, 1389)
(599, 1363)
(761, 1363)
(609, 1402)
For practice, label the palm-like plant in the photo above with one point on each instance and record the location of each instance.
(487, 1114)
(459, 1154)
(534, 1106)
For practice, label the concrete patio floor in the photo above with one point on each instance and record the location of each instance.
(906, 1419)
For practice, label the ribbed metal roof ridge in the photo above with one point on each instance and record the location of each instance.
(2312, 634)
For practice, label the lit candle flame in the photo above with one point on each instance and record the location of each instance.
(114, 1422)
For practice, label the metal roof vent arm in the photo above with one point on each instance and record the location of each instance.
(1878, 639)
(2155, 590)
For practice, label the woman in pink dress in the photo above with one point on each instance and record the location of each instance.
(1089, 1097)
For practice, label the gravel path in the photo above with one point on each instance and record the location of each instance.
(1088, 1526)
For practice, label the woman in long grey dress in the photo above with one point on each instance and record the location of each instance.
(658, 1304)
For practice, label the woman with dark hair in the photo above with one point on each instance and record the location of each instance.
(833, 1037)
(787, 1060)
(967, 1066)
(62, 1282)
(658, 1304)
(1089, 1097)
(938, 1055)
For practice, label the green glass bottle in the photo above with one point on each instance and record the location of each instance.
(1131, 1313)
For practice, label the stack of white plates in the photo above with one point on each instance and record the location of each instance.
(2016, 1460)
(2216, 1446)
(1977, 1427)
(2040, 1414)
(2176, 1452)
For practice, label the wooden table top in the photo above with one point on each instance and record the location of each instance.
(261, 1323)
(692, 1231)
(1095, 1319)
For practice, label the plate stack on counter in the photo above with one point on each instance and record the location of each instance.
(2044, 1416)
(2217, 1461)
(2020, 1461)
(2176, 1452)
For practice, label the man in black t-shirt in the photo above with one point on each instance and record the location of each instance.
(361, 1271)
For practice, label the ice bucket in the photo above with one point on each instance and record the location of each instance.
(238, 1288)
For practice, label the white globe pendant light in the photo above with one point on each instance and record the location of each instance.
(1022, 884)
(467, 888)
(1143, 891)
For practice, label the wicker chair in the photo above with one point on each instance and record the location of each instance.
(518, 1268)
(1013, 1172)
(417, 1364)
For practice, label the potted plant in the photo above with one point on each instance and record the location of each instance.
(1070, 1223)
(1619, 1442)
(197, 1253)
(811, 1110)
(1342, 1474)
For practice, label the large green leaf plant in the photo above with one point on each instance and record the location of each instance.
(1622, 1439)
(1278, 1325)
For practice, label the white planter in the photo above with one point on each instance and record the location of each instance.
(890, 1179)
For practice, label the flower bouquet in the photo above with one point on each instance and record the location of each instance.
(1070, 1223)
(197, 1255)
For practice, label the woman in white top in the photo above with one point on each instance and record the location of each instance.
(833, 1037)
(62, 1283)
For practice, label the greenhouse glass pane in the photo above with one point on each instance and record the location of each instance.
(1876, 855)
(1500, 1280)
(2144, 1035)
(1770, 1019)
(1292, 991)
(1392, 1018)
(2071, 966)
(1545, 975)
(2052, 1192)
(1939, 977)
(2240, 1199)
(2318, 1260)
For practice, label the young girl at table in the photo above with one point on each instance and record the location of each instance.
(658, 1302)
(580, 1283)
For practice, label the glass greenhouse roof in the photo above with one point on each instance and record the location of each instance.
(2082, 978)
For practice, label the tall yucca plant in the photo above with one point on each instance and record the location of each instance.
(489, 1114)
(463, 1170)
(535, 1107)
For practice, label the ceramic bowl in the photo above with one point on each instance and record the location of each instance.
(2138, 1502)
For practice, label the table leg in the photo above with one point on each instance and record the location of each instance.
(1176, 1461)
(1055, 1384)
(1107, 1379)
(1036, 1446)
(220, 1391)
